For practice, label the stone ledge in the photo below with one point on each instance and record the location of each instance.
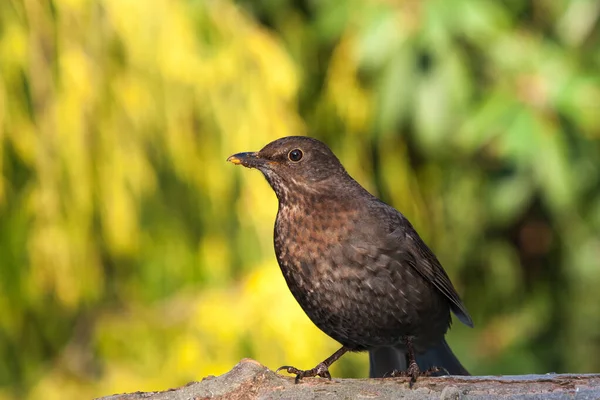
(251, 380)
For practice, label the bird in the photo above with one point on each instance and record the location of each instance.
(356, 266)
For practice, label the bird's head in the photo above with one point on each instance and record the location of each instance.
(295, 163)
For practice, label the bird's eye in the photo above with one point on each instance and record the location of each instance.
(295, 155)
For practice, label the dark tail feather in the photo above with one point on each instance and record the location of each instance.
(384, 360)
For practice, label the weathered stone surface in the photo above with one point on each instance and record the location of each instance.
(251, 380)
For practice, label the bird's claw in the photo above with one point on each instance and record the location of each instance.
(413, 372)
(320, 370)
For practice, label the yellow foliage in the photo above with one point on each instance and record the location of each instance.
(120, 93)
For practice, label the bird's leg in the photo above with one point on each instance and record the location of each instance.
(321, 370)
(413, 370)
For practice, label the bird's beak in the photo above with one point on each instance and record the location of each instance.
(248, 160)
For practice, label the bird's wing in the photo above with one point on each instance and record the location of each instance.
(415, 253)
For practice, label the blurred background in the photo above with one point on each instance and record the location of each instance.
(133, 257)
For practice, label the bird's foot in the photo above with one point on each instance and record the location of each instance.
(320, 370)
(413, 372)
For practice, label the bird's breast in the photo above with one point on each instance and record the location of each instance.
(306, 237)
(346, 283)
(323, 270)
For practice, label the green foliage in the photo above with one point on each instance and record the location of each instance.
(134, 258)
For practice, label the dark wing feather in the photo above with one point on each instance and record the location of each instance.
(409, 249)
(428, 266)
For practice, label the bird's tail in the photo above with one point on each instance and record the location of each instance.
(384, 360)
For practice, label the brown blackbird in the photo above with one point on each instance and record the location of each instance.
(356, 266)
